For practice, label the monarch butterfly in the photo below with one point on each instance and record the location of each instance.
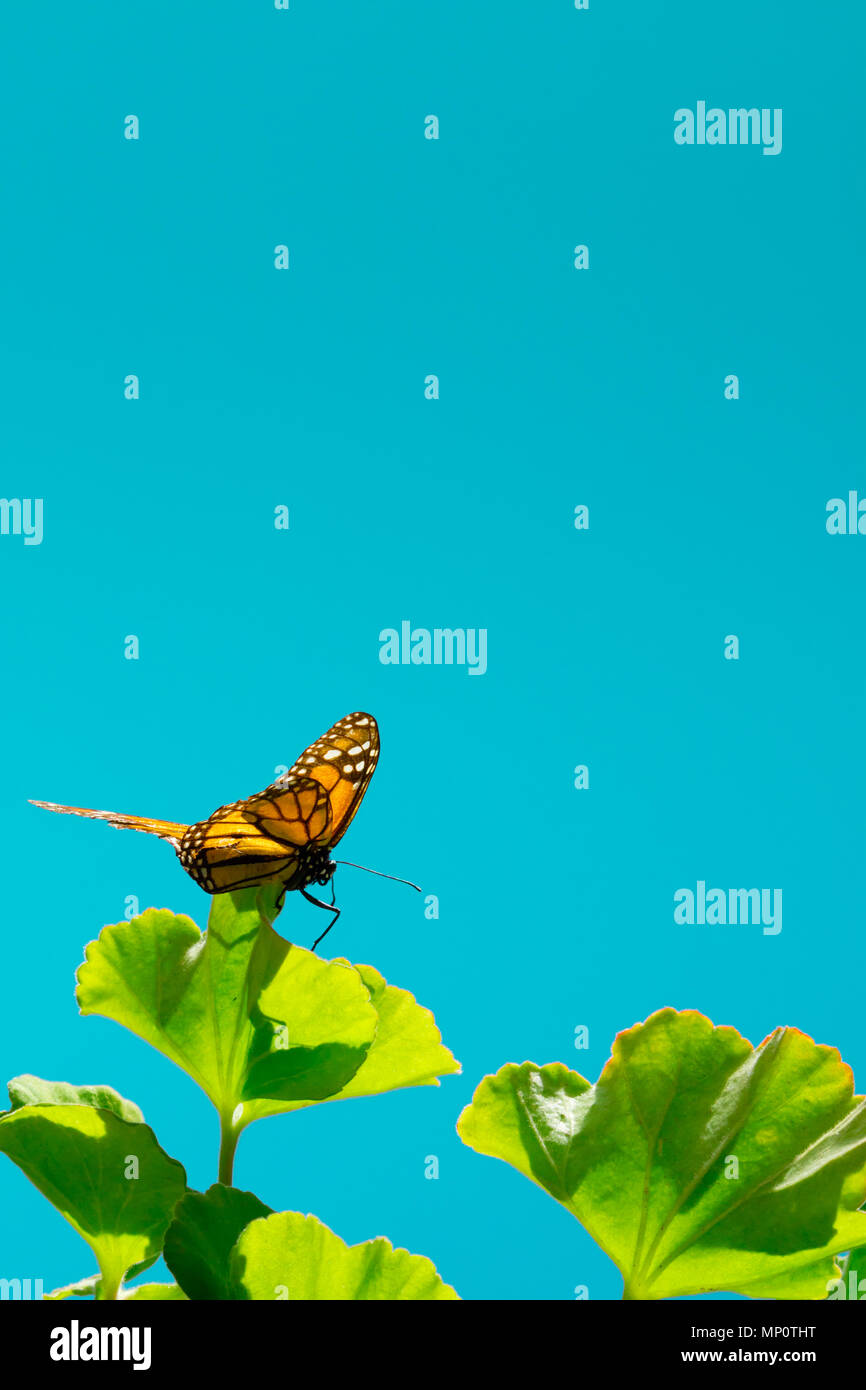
(283, 834)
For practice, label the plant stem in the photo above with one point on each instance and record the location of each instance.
(229, 1137)
(108, 1287)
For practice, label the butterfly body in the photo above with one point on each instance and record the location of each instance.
(284, 834)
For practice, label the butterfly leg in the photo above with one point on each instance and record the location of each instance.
(329, 907)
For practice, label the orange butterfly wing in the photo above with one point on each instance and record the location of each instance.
(227, 852)
(315, 801)
(165, 829)
(265, 838)
(296, 813)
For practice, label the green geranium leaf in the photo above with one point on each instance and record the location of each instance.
(290, 1256)
(154, 1293)
(105, 1174)
(851, 1283)
(856, 1263)
(248, 1016)
(407, 1049)
(85, 1288)
(32, 1090)
(199, 1240)
(696, 1161)
(88, 1288)
(261, 1025)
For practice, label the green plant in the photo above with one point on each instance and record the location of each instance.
(263, 1027)
(696, 1161)
(851, 1283)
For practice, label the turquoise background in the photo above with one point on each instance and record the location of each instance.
(604, 387)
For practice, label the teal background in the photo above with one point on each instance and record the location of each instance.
(605, 387)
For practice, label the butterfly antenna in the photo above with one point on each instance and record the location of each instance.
(378, 873)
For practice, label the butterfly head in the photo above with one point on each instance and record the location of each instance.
(327, 873)
(318, 866)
